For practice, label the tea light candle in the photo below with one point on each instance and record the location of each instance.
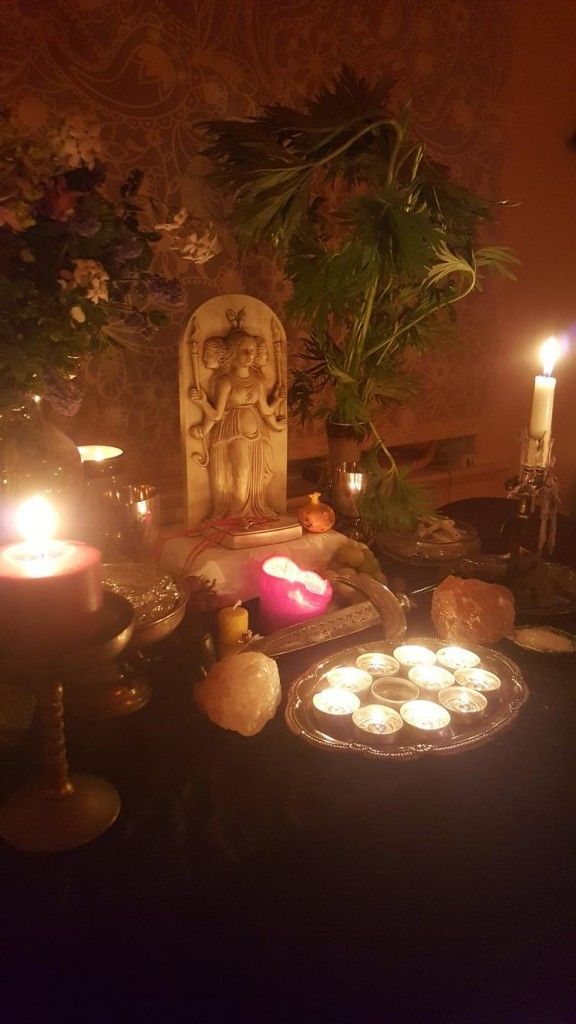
(430, 678)
(479, 679)
(334, 707)
(413, 654)
(465, 705)
(394, 692)
(50, 590)
(425, 717)
(98, 452)
(376, 724)
(289, 595)
(378, 664)
(357, 680)
(232, 626)
(455, 658)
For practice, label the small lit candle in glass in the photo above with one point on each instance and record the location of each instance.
(376, 724)
(454, 658)
(464, 704)
(479, 679)
(414, 654)
(428, 719)
(98, 452)
(430, 679)
(333, 709)
(357, 680)
(378, 664)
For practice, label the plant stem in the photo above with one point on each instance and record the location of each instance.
(387, 452)
(386, 345)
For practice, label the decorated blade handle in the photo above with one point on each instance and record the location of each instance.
(381, 606)
(201, 456)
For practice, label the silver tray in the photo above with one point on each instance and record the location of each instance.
(500, 715)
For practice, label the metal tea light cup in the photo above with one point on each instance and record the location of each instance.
(357, 680)
(466, 706)
(427, 721)
(333, 710)
(480, 679)
(131, 523)
(409, 655)
(455, 657)
(376, 725)
(430, 679)
(393, 691)
(378, 664)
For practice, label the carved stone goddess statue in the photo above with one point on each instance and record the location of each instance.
(238, 413)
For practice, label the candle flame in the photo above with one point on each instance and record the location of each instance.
(36, 520)
(549, 353)
(285, 569)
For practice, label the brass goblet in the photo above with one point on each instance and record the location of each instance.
(63, 810)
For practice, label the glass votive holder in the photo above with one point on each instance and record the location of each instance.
(455, 658)
(427, 720)
(348, 677)
(131, 523)
(409, 655)
(333, 709)
(430, 679)
(466, 706)
(378, 664)
(393, 691)
(376, 725)
(101, 460)
(481, 680)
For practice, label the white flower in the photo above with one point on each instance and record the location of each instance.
(78, 314)
(199, 247)
(89, 275)
(77, 141)
(176, 223)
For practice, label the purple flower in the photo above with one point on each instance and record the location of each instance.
(129, 249)
(165, 289)
(86, 228)
(85, 179)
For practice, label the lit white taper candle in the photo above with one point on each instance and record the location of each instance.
(544, 385)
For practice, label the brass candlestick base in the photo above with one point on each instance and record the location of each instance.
(63, 811)
(33, 820)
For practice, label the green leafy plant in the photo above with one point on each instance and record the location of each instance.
(378, 242)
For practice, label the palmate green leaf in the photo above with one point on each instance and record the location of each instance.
(501, 259)
(392, 501)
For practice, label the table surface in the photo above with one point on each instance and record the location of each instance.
(262, 879)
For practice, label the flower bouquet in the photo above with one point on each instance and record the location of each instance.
(76, 255)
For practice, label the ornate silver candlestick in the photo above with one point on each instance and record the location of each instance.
(536, 490)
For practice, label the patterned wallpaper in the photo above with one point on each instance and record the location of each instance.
(152, 70)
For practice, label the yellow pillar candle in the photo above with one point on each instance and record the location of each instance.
(232, 625)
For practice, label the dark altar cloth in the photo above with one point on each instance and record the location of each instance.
(261, 879)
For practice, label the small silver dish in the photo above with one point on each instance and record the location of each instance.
(394, 691)
(544, 640)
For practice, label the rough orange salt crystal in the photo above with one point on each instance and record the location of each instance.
(241, 692)
(472, 611)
